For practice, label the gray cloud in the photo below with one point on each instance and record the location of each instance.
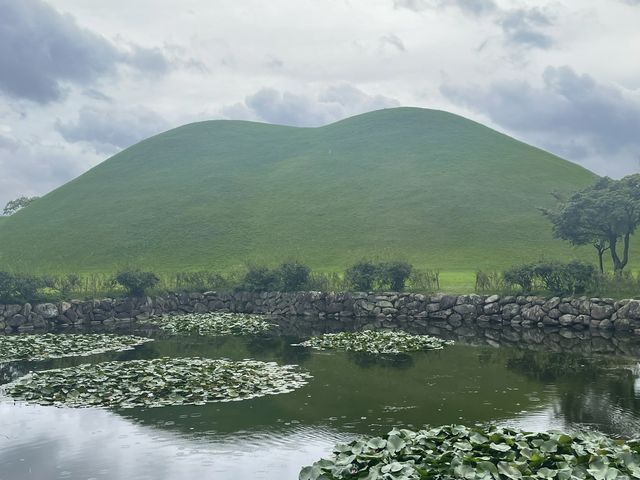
(527, 27)
(28, 173)
(285, 108)
(521, 26)
(571, 114)
(393, 41)
(108, 130)
(475, 7)
(42, 50)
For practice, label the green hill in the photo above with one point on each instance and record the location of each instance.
(428, 186)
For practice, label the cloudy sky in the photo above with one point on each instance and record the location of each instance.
(81, 80)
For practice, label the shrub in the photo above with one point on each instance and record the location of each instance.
(137, 282)
(18, 287)
(362, 275)
(521, 276)
(424, 280)
(489, 281)
(554, 277)
(394, 275)
(294, 276)
(261, 279)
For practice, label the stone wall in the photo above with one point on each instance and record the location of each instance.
(379, 309)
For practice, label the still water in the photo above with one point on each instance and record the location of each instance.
(554, 382)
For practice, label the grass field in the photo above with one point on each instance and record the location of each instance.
(433, 188)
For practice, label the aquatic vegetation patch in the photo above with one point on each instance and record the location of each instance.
(156, 383)
(213, 324)
(473, 453)
(375, 341)
(49, 345)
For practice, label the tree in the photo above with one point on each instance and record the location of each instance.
(18, 204)
(602, 215)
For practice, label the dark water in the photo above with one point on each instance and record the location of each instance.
(557, 382)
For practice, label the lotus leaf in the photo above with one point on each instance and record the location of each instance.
(156, 383)
(376, 342)
(497, 453)
(213, 324)
(49, 345)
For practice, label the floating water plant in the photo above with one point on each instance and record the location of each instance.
(156, 383)
(49, 345)
(473, 453)
(213, 324)
(375, 341)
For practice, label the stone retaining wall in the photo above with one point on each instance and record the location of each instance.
(380, 308)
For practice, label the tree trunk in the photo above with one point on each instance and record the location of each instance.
(617, 264)
(600, 255)
(625, 254)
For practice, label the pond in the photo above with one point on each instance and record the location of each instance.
(557, 382)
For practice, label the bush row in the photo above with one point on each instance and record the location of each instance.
(365, 275)
(558, 278)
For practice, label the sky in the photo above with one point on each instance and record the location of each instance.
(81, 80)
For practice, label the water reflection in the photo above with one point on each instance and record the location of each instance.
(537, 379)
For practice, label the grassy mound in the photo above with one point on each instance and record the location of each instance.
(431, 187)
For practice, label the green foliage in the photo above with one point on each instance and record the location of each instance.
(417, 183)
(213, 324)
(294, 276)
(261, 279)
(489, 282)
(45, 346)
(362, 275)
(476, 453)
(156, 383)
(137, 282)
(555, 277)
(375, 342)
(424, 281)
(19, 287)
(601, 215)
(18, 204)
(394, 275)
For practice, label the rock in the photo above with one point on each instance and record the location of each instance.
(467, 311)
(533, 314)
(630, 310)
(492, 308)
(566, 308)
(606, 324)
(202, 308)
(600, 312)
(567, 320)
(447, 301)
(551, 304)
(384, 304)
(455, 320)
(510, 310)
(491, 299)
(17, 321)
(555, 313)
(11, 310)
(47, 310)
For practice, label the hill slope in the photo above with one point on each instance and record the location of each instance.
(428, 186)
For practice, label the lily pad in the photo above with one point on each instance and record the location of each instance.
(376, 342)
(42, 347)
(213, 324)
(435, 453)
(156, 383)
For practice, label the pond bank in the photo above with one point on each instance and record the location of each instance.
(389, 309)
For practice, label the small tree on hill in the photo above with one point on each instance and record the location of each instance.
(602, 215)
(18, 204)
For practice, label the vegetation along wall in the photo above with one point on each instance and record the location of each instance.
(410, 311)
